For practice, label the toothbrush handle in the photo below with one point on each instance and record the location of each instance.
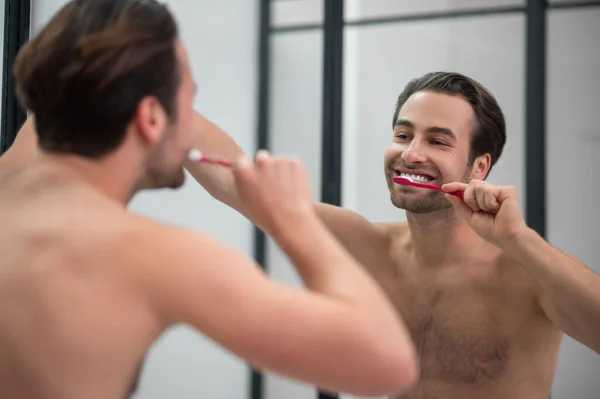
(227, 164)
(458, 193)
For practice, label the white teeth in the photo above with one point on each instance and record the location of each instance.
(416, 178)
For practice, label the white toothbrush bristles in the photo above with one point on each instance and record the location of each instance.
(195, 155)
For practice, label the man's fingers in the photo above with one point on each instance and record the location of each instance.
(261, 158)
(242, 162)
(480, 194)
(470, 198)
(243, 172)
(491, 201)
(454, 186)
(261, 154)
(487, 197)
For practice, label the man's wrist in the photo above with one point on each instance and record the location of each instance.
(286, 227)
(518, 240)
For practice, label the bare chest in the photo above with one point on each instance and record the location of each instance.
(463, 325)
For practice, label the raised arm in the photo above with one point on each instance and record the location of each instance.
(570, 295)
(569, 292)
(341, 334)
(367, 242)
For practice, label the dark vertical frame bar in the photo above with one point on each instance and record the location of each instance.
(535, 111)
(331, 156)
(333, 64)
(535, 117)
(262, 137)
(17, 14)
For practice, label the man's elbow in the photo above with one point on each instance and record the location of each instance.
(392, 368)
(399, 372)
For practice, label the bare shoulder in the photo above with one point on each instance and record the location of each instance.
(351, 223)
(394, 229)
(368, 242)
(348, 217)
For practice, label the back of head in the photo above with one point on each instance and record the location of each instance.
(489, 130)
(86, 71)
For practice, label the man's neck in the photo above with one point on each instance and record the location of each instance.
(441, 237)
(106, 175)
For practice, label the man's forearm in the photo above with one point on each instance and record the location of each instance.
(571, 287)
(322, 262)
(217, 180)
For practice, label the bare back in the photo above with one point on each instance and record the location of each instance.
(477, 326)
(71, 324)
(86, 288)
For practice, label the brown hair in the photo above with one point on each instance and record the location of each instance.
(489, 132)
(86, 71)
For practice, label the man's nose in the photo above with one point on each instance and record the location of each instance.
(414, 153)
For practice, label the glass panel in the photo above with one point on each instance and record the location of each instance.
(295, 129)
(297, 12)
(573, 142)
(359, 9)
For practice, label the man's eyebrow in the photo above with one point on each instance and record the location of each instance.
(441, 130)
(431, 130)
(405, 123)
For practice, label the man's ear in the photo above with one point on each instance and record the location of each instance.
(481, 167)
(150, 119)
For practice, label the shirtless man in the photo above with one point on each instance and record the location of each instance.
(86, 287)
(485, 298)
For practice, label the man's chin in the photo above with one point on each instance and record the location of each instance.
(421, 206)
(177, 181)
(172, 181)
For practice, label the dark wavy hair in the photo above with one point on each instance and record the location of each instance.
(85, 72)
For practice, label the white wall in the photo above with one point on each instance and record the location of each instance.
(221, 38)
(573, 143)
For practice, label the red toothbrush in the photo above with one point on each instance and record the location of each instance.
(196, 156)
(405, 181)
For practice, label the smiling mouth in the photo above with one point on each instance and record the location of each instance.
(414, 177)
